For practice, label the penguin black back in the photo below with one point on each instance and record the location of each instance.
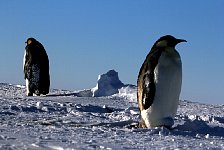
(36, 67)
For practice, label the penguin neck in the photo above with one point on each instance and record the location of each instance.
(171, 52)
(169, 49)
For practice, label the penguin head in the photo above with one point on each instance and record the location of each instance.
(168, 41)
(30, 40)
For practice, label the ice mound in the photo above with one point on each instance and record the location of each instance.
(107, 84)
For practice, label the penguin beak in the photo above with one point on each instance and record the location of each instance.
(181, 40)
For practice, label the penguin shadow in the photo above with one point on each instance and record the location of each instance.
(60, 94)
(84, 93)
(6, 113)
(94, 109)
(195, 128)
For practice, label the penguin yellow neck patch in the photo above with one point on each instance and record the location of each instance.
(162, 43)
(29, 42)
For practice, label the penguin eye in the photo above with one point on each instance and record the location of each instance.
(162, 43)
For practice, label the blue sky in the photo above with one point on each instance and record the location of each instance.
(84, 38)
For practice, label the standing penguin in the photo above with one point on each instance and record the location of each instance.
(36, 68)
(159, 84)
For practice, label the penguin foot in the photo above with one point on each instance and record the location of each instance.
(167, 127)
(30, 94)
(44, 92)
(37, 92)
(141, 124)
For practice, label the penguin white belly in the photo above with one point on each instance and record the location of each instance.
(27, 81)
(168, 79)
(27, 86)
(24, 59)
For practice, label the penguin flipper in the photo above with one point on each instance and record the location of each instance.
(146, 85)
(146, 88)
(28, 58)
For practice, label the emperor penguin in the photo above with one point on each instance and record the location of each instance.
(159, 84)
(36, 68)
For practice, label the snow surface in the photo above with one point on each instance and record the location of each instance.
(63, 121)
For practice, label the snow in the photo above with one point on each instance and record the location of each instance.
(63, 120)
(128, 92)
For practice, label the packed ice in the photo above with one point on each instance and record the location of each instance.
(78, 120)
